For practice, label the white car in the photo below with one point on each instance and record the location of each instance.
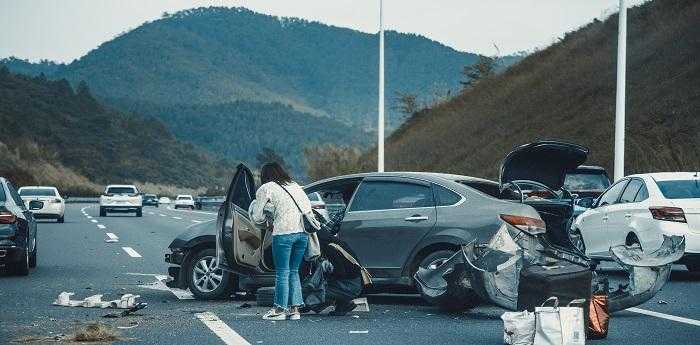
(639, 209)
(318, 204)
(184, 201)
(54, 205)
(164, 200)
(121, 198)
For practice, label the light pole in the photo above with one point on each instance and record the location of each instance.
(380, 123)
(620, 102)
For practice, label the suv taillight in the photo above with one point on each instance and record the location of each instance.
(7, 217)
(670, 214)
(318, 207)
(528, 224)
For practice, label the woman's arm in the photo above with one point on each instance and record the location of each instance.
(262, 197)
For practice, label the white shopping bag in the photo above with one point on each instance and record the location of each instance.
(518, 328)
(559, 326)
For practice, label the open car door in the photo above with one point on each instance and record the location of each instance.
(239, 240)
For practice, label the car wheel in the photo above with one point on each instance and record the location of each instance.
(139, 212)
(32, 257)
(460, 295)
(61, 219)
(204, 280)
(22, 268)
(576, 240)
(633, 241)
(103, 212)
(265, 296)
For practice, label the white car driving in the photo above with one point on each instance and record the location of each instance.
(54, 205)
(184, 201)
(639, 209)
(121, 198)
(164, 200)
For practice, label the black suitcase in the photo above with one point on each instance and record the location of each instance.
(563, 280)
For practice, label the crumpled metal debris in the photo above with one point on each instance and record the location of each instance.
(126, 301)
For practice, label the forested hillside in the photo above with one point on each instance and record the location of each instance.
(567, 91)
(51, 134)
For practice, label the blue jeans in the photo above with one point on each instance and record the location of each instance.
(287, 253)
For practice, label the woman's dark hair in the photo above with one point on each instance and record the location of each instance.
(274, 172)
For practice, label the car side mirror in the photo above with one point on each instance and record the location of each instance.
(36, 205)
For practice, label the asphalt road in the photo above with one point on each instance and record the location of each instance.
(75, 257)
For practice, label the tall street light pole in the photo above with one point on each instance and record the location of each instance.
(620, 102)
(380, 123)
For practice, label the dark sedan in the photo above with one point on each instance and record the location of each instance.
(150, 200)
(18, 245)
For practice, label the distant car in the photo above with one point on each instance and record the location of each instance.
(150, 200)
(209, 202)
(121, 199)
(639, 210)
(318, 204)
(164, 200)
(54, 207)
(18, 244)
(184, 201)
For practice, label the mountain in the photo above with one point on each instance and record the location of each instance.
(567, 91)
(52, 134)
(221, 55)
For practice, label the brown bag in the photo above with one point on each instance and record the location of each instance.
(598, 317)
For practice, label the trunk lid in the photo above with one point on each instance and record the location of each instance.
(691, 209)
(545, 161)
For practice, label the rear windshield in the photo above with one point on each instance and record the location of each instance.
(37, 192)
(579, 181)
(184, 198)
(121, 190)
(149, 196)
(680, 189)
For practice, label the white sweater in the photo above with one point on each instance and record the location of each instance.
(287, 218)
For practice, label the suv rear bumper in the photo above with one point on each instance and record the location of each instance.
(120, 208)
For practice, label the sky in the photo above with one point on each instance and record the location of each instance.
(68, 29)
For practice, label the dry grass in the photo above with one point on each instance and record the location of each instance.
(96, 332)
(167, 190)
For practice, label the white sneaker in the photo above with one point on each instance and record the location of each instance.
(294, 315)
(275, 315)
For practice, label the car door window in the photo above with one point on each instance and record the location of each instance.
(387, 195)
(610, 197)
(643, 194)
(15, 196)
(445, 197)
(631, 191)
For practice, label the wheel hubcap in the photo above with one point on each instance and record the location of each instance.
(205, 275)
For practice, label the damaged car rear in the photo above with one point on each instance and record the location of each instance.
(538, 234)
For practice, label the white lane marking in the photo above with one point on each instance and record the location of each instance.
(358, 332)
(131, 252)
(665, 316)
(114, 237)
(179, 293)
(101, 226)
(222, 330)
(93, 220)
(162, 215)
(196, 221)
(89, 217)
(177, 217)
(191, 211)
(151, 213)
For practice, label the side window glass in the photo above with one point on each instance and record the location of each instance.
(240, 195)
(630, 191)
(446, 197)
(15, 196)
(610, 197)
(380, 195)
(643, 193)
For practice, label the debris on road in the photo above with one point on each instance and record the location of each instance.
(127, 312)
(358, 332)
(95, 332)
(95, 301)
(244, 306)
(131, 325)
(362, 304)
(662, 302)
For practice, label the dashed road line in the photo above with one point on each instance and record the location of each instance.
(196, 221)
(151, 213)
(93, 220)
(177, 217)
(665, 316)
(222, 330)
(114, 237)
(89, 217)
(162, 215)
(101, 226)
(131, 252)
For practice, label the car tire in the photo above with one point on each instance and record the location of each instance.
(32, 256)
(103, 212)
(460, 296)
(22, 268)
(61, 219)
(139, 212)
(265, 296)
(203, 290)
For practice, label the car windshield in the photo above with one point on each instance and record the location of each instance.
(149, 196)
(586, 181)
(37, 192)
(680, 189)
(314, 197)
(121, 190)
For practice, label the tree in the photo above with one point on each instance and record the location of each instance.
(83, 90)
(268, 155)
(406, 103)
(331, 160)
(482, 69)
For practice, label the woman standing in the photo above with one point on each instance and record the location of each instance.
(277, 197)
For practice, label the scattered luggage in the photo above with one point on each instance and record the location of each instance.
(518, 328)
(560, 325)
(566, 281)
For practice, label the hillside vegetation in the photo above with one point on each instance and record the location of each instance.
(52, 134)
(567, 91)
